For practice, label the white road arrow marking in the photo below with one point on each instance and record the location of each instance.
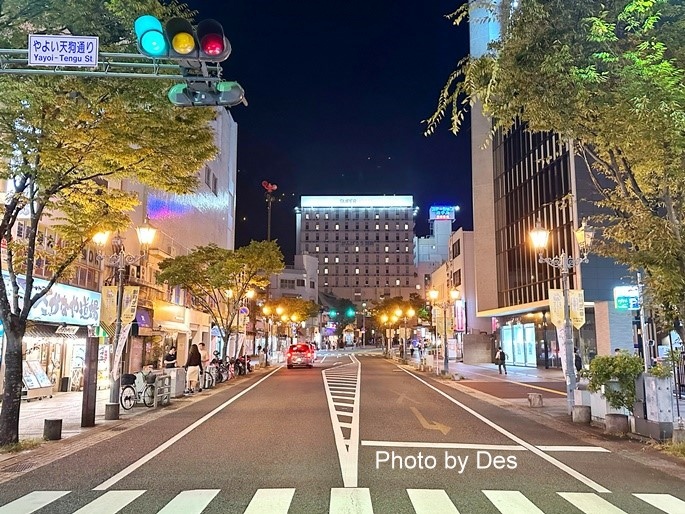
(432, 425)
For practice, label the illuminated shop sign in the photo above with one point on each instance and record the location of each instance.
(61, 304)
(626, 298)
(357, 201)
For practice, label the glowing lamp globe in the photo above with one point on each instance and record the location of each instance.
(212, 44)
(183, 43)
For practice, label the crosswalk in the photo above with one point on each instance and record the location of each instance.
(342, 500)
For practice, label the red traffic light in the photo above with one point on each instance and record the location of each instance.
(214, 46)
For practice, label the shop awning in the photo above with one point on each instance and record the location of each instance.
(50, 331)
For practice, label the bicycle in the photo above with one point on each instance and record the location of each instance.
(130, 395)
(208, 379)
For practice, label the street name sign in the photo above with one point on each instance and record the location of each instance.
(63, 50)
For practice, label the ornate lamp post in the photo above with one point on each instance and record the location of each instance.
(454, 296)
(564, 263)
(404, 315)
(119, 260)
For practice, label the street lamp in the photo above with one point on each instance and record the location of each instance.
(384, 320)
(404, 315)
(119, 260)
(565, 262)
(454, 296)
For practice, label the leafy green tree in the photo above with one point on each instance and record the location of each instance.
(219, 279)
(608, 75)
(63, 140)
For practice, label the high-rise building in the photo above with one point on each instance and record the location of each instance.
(364, 244)
(432, 250)
(519, 178)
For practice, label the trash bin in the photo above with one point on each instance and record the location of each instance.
(64, 384)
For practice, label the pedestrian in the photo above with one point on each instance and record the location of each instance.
(500, 360)
(204, 358)
(170, 358)
(266, 355)
(193, 369)
(577, 362)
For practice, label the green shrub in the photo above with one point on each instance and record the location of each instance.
(659, 370)
(622, 368)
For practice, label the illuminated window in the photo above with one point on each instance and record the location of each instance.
(387, 260)
(337, 259)
(316, 248)
(337, 226)
(386, 226)
(406, 226)
(387, 249)
(356, 248)
(356, 271)
(325, 259)
(325, 271)
(397, 281)
(316, 227)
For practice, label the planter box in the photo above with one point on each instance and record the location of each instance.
(581, 397)
(599, 407)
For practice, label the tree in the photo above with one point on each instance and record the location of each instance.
(608, 75)
(62, 141)
(219, 279)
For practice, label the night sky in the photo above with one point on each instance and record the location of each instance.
(337, 92)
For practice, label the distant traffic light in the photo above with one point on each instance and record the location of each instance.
(179, 40)
(350, 312)
(332, 313)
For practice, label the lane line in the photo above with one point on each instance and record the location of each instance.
(146, 458)
(512, 502)
(458, 446)
(666, 502)
(590, 503)
(560, 465)
(350, 500)
(597, 449)
(190, 502)
(32, 502)
(273, 501)
(110, 503)
(430, 501)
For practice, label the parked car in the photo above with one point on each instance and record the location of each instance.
(300, 355)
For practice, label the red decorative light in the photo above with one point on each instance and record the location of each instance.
(212, 44)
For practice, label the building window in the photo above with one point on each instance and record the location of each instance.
(325, 259)
(316, 248)
(325, 271)
(337, 226)
(316, 227)
(456, 278)
(356, 271)
(456, 248)
(387, 248)
(337, 259)
(287, 284)
(300, 282)
(306, 216)
(311, 284)
(397, 281)
(386, 226)
(406, 226)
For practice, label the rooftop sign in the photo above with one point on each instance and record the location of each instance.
(357, 201)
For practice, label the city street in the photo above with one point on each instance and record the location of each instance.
(355, 434)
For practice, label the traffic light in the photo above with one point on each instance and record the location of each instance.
(332, 313)
(179, 40)
(199, 94)
(350, 312)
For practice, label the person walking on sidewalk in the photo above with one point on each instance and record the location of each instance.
(193, 368)
(500, 360)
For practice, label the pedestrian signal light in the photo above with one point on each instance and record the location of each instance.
(230, 93)
(150, 37)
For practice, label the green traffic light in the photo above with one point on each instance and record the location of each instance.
(150, 36)
(332, 313)
(350, 312)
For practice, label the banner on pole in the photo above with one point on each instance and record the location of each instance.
(556, 307)
(121, 343)
(576, 300)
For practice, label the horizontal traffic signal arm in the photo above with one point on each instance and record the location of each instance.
(14, 61)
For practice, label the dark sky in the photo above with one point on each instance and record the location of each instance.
(337, 92)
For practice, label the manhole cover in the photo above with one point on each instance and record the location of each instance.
(20, 467)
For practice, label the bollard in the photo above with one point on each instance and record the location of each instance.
(535, 399)
(581, 414)
(111, 411)
(52, 429)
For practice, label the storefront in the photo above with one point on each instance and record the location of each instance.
(56, 333)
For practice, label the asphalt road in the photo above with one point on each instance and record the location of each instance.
(355, 434)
